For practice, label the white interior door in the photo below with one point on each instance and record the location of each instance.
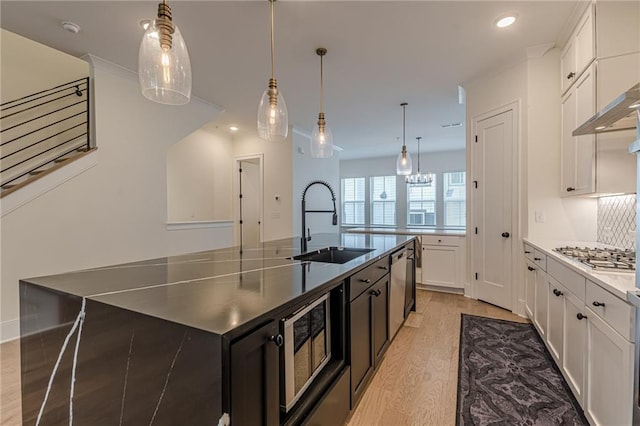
(492, 209)
(250, 201)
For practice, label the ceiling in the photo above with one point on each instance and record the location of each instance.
(380, 54)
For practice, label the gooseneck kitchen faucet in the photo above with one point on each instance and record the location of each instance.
(334, 221)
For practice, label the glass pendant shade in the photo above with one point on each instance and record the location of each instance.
(321, 142)
(403, 164)
(273, 118)
(164, 72)
(321, 137)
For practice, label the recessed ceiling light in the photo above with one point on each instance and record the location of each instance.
(234, 128)
(144, 23)
(505, 21)
(72, 27)
(601, 127)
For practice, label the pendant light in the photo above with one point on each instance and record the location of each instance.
(419, 178)
(164, 69)
(403, 164)
(273, 118)
(321, 137)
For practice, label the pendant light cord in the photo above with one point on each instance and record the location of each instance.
(321, 86)
(419, 137)
(404, 109)
(272, 41)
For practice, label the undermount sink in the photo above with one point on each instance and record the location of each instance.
(332, 254)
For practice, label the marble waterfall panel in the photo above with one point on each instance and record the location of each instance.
(90, 363)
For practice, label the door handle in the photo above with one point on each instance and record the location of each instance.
(530, 268)
(596, 303)
(580, 316)
(366, 281)
(278, 340)
(571, 188)
(571, 75)
(557, 292)
(505, 235)
(376, 293)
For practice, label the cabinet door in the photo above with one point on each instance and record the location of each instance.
(568, 145)
(540, 313)
(555, 327)
(255, 378)
(609, 396)
(578, 152)
(530, 289)
(441, 266)
(361, 341)
(380, 300)
(575, 345)
(585, 43)
(568, 66)
(585, 97)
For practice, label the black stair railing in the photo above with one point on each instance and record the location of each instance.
(42, 129)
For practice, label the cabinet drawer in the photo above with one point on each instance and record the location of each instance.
(362, 280)
(573, 281)
(528, 252)
(540, 259)
(440, 240)
(615, 312)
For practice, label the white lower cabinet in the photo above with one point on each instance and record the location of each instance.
(589, 333)
(609, 366)
(575, 346)
(555, 318)
(542, 308)
(530, 288)
(443, 261)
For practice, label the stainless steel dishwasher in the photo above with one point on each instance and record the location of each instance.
(397, 291)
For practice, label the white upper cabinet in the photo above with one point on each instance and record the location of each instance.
(578, 152)
(617, 28)
(608, 32)
(579, 51)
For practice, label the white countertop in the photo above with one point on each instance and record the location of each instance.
(617, 283)
(408, 231)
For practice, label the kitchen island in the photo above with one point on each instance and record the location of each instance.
(158, 341)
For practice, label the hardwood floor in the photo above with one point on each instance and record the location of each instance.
(417, 381)
(10, 409)
(415, 385)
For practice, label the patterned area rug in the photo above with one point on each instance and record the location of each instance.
(506, 376)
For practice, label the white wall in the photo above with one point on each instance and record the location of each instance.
(117, 210)
(278, 172)
(573, 218)
(305, 170)
(29, 67)
(534, 83)
(435, 162)
(199, 171)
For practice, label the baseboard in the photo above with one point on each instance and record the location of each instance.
(440, 289)
(9, 330)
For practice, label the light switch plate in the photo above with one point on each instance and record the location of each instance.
(539, 216)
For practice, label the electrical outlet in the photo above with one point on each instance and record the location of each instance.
(539, 216)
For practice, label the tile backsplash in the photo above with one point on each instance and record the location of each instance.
(617, 221)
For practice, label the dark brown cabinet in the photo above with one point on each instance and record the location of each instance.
(368, 334)
(255, 378)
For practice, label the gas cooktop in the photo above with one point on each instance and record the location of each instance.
(602, 258)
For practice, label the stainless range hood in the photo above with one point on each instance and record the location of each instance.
(618, 115)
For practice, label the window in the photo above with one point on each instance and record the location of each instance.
(421, 204)
(353, 201)
(383, 200)
(454, 199)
